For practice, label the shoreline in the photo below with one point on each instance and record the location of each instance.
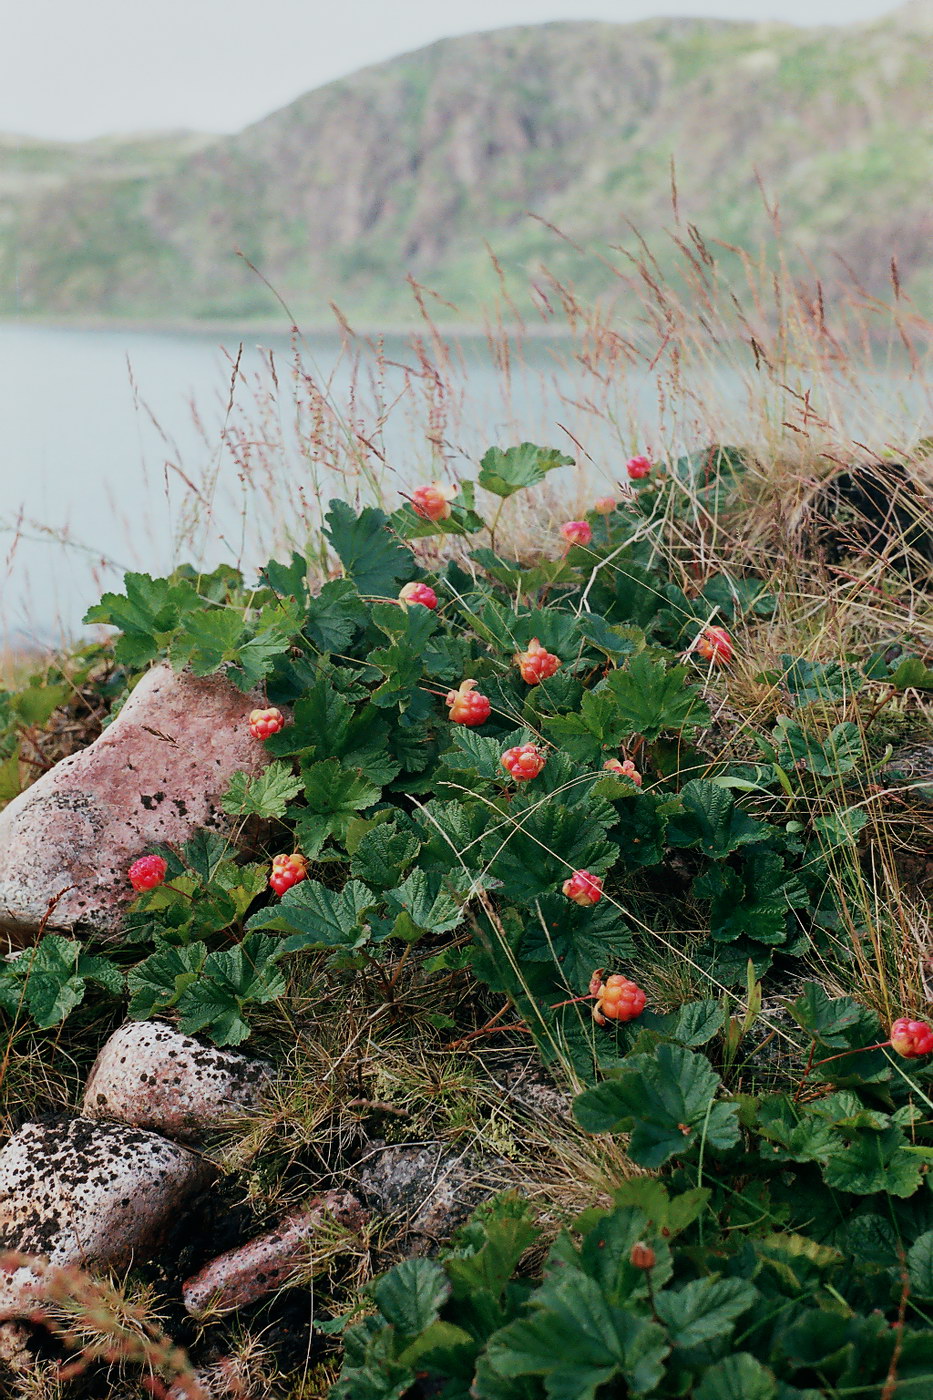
(463, 330)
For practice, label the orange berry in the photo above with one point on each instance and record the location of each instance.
(536, 664)
(524, 762)
(467, 706)
(715, 644)
(576, 532)
(583, 888)
(432, 502)
(263, 723)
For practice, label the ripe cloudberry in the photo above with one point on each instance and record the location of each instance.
(583, 888)
(418, 593)
(288, 871)
(605, 505)
(466, 705)
(911, 1038)
(642, 1256)
(262, 723)
(715, 644)
(624, 770)
(638, 467)
(617, 999)
(147, 872)
(432, 502)
(524, 762)
(576, 532)
(536, 664)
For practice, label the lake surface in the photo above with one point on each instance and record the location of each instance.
(141, 449)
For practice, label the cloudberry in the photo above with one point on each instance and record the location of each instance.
(583, 888)
(642, 1256)
(576, 532)
(536, 664)
(466, 705)
(605, 505)
(147, 872)
(715, 644)
(624, 770)
(911, 1038)
(288, 871)
(432, 502)
(617, 999)
(418, 593)
(638, 467)
(524, 762)
(263, 723)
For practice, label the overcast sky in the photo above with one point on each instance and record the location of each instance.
(79, 68)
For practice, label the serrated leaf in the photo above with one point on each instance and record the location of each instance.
(206, 639)
(411, 1295)
(920, 1266)
(335, 793)
(422, 904)
(157, 983)
(147, 614)
(704, 1309)
(505, 472)
(839, 753)
(51, 978)
(738, 1377)
(334, 615)
(383, 855)
(711, 820)
(229, 981)
(369, 552)
(267, 795)
(650, 699)
(319, 917)
(825, 681)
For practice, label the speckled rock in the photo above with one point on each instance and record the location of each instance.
(78, 1192)
(151, 1076)
(429, 1191)
(157, 774)
(269, 1261)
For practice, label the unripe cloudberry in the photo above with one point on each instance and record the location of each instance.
(604, 505)
(536, 664)
(524, 762)
(583, 888)
(432, 502)
(638, 467)
(617, 999)
(911, 1038)
(147, 872)
(576, 532)
(715, 644)
(418, 593)
(642, 1256)
(466, 705)
(288, 871)
(263, 723)
(624, 770)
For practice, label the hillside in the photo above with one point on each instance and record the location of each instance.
(414, 165)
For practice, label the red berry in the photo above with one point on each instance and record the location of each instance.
(418, 593)
(624, 770)
(617, 999)
(715, 644)
(147, 872)
(911, 1038)
(288, 871)
(638, 467)
(583, 888)
(263, 723)
(605, 505)
(524, 763)
(536, 664)
(466, 705)
(642, 1256)
(576, 532)
(432, 502)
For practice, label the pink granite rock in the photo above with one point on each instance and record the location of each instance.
(157, 774)
(151, 1076)
(269, 1261)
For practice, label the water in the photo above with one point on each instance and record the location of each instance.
(105, 433)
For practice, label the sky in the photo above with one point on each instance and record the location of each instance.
(73, 69)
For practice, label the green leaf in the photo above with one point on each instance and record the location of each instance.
(839, 753)
(920, 1266)
(51, 978)
(505, 472)
(289, 580)
(738, 1377)
(228, 982)
(576, 941)
(335, 615)
(147, 614)
(157, 983)
(912, 674)
(334, 794)
(266, 795)
(206, 640)
(319, 917)
(711, 820)
(826, 681)
(411, 1295)
(666, 1101)
(37, 703)
(423, 904)
(383, 855)
(371, 555)
(651, 699)
(827, 1019)
(704, 1309)
(869, 1161)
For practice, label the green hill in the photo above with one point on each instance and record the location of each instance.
(413, 166)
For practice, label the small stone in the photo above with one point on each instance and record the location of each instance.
(149, 1075)
(77, 1192)
(269, 1261)
(157, 774)
(430, 1190)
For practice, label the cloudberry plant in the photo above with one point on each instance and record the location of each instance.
(638, 467)
(583, 888)
(263, 723)
(524, 762)
(147, 872)
(418, 593)
(642, 1256)
(536, 664)
(911, 1038)
(576, 532)
(715, 645)
(617, 999)
(624, 770)
(466, 705)
(432, 502)
(604, 505)
(288, 871)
